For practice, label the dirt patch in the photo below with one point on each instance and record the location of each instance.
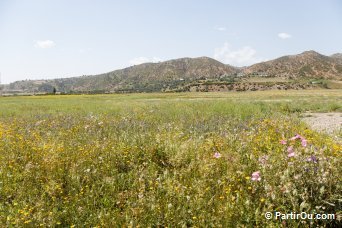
(329, 123)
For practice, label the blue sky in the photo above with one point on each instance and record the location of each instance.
(64, 38)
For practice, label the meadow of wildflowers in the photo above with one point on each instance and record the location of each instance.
(175, 160)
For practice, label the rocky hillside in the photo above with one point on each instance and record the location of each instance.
(146, 77)
(309, 64)
(187, 74)
(337, 57)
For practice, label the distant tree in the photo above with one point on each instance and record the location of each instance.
(46, 88)
(54, 90)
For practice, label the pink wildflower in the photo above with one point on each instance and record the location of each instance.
(217, 155)
(304, 142)
(283, 142)
(256, 176)
(297, 136)
(290, 152)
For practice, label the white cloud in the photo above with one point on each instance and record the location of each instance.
(221, 29)
(45, 44)
(140, 60)
(241, 57)
(284, 35)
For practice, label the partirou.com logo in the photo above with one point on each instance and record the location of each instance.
(302, 215)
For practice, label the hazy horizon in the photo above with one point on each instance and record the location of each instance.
(56, 39)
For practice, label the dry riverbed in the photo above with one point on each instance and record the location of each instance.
(329, 123)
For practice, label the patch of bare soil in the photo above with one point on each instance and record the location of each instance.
(329, 123)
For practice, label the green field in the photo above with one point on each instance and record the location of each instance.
(175, 160)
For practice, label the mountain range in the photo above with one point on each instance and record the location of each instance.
(202, 73)
(306, 64)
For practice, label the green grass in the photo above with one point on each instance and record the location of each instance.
(148, 159)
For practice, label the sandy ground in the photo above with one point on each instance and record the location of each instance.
(329, 123)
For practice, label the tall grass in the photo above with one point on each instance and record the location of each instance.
(164, 160)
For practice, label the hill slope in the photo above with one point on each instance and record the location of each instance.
(199, 74)
(309, 64)
(144, 77)
(337, 57)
